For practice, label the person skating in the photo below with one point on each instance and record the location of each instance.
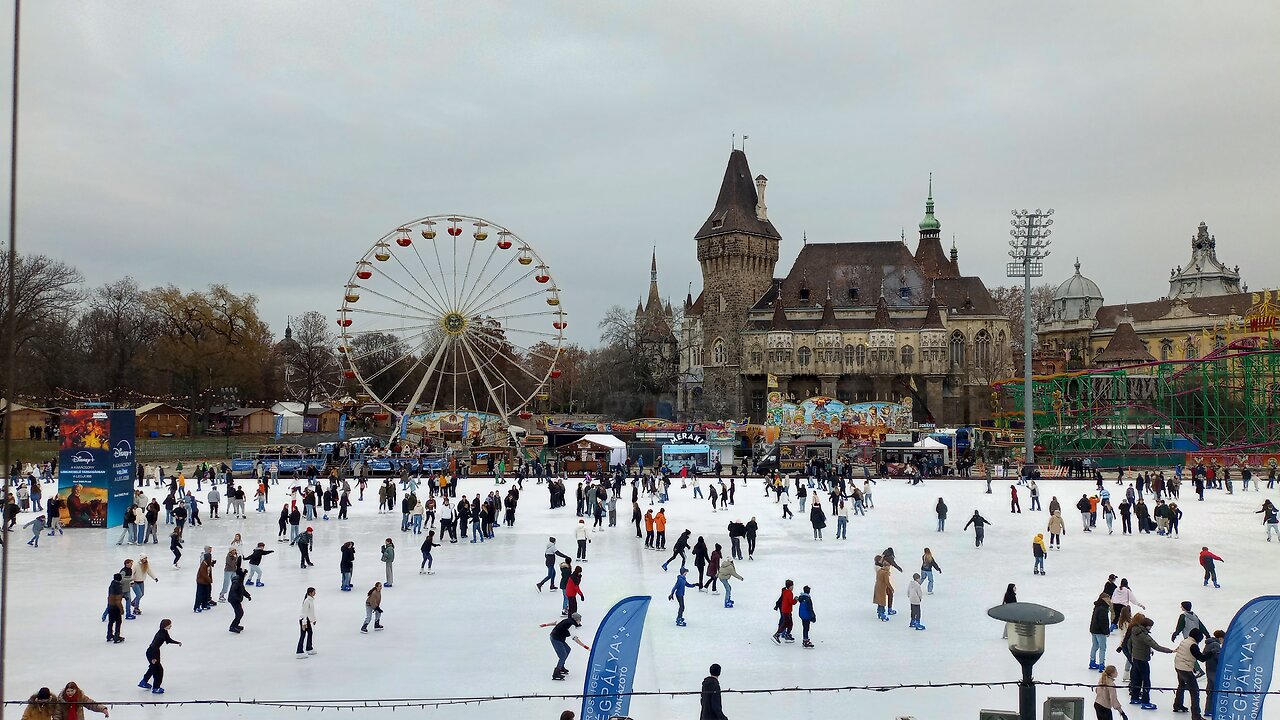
(37, 526)
(882, 595)
(784, 605)
(941, 510)
(1187, 622)
(817, 518)
(1270, 520)
(1083, 506)
(580, 534)
(979, 524)
(73, 703)
(307, 624)
(1057, 528)
(1038, 551)
(1099, 630)
(204, 582)
(373, 608)
(1185, 660)
(701, 556)
(427, 545)
(1014, 506)
(677, 593)
(804, 601)
(550, 555)
(561, 633)
(1122, 601)
(660, 529)
(927, 567)
(175, 546)
(138, 583)
(678, 550)
(573, 591)
(726, 571)
(255, 564)
(389, 560)
(1141, 645)
(1104, 697)
(347, 563)
(712, 709)
(915, 596)
(115, 608)
(304, 543)
(41, 706)
(230, 566)
(752, 528)
(236, 598)
(1207, 560)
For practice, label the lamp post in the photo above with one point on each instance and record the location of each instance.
(1028, 248)
(1026, 641)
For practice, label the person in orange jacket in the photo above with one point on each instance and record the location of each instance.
(648, 528)
(660, 525)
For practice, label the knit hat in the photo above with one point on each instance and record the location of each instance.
(576, 617)
(308, 529)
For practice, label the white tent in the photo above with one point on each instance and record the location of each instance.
(291, 423)
(931, 444)
(617, 448)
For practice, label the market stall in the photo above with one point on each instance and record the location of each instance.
(592, 453)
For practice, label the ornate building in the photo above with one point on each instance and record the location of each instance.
(1204, 295)
(656, 342)
(857, 321)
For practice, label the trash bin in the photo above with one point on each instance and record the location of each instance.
(153, 434)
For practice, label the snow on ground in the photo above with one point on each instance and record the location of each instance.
(471, 629)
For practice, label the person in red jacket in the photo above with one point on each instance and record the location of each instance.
(1210, 572)
(573, 590)
(786, 602)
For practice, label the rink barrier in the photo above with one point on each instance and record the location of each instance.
(432, 702)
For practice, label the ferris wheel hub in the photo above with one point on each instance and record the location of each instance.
(454, 323)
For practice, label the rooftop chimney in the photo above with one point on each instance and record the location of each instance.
(762, 211)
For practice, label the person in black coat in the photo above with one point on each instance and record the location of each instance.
(711, 706)
(979, 524)
(236, 597)
(154, 676)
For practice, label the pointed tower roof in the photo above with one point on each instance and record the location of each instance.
(654, 303)
(735, 209)
(639, 308)
(955, 257)
(933, 316)
(828, 321)
(779, 321)
(929, 254)
(882, 313)
(688, 299)
(1124, 348)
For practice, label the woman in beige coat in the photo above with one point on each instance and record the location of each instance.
(1104, 698)
(1057, 528)
(883, 594)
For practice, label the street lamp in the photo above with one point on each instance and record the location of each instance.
(1028, 248)
(1026, 641)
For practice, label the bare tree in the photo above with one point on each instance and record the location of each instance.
(115, 334)
(312, 366)
(1009, 299)
(47, 294)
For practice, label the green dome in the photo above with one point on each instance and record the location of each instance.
(929, 222)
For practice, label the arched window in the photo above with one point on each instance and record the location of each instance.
(982, 349)
(802, 356)
(957, 349)
(719, 356)
(908, 356)
(849, 357)
(860, 355)
(757, 355)
(1166, 349)
(1189, 349)
(1219, 341)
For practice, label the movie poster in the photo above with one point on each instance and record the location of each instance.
(96, 467)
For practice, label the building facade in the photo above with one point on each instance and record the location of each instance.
(856, 321)
(1205, 296)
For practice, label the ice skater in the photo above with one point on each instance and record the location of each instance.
(726, 571)
(373, 608)
(389, 560)
(915, 596)
(807, 616)
(1207, 560)
(255, 564)
(1038, 552)
(304, 544)
(561, 632)
(549, 555)
(346, 564)
(927, 567)
(784, 605)
(427, 545)
(678, 551)
(677, 594)
(979, 524)
(236, 598)
(307, 624)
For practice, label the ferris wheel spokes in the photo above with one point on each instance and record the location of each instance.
(422, 384)
(436, 306)
(476, 291)
(491, 387)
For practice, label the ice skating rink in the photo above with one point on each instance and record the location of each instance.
(471, 629)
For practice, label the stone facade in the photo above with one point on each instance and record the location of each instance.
(855, 321)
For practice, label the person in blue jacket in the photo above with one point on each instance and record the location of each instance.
(807, 616)
(677, 594)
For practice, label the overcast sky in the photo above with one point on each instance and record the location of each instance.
(265, 145)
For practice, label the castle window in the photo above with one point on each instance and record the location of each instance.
(904, 293)
(957, 349)
(853, 294)
(982, 349)
(756, 355)
(802, 356)
(719, 355)
(757, 400)
(804, 294)
(1166, 349)
(908, 356)
(1189, 349)
(848, 355)
(860, 355)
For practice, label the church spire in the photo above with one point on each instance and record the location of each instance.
(929, 222)
(779, 313)
(654, 303)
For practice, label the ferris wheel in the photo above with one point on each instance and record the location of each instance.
(451, 314)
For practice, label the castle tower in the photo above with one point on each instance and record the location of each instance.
(738, 250)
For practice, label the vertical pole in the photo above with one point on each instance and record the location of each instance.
(1027, 692)
(10, 355)
(1028, 411)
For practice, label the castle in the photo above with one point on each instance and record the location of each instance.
(856, 321)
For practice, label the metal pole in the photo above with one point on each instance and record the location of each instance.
(1027, 692)
(10, 355)
(1028, 407)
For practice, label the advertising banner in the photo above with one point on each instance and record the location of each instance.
(342, 426)
(611, 670)
(96, 466)
(1247, 661)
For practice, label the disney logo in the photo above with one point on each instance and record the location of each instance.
(82, 457)
(122, 449)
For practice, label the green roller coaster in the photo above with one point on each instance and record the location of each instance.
(1226, 402)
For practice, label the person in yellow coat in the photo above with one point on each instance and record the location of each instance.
(1039, 550)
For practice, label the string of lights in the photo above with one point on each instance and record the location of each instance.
(436, 702)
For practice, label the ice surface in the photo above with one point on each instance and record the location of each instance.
(471, 629)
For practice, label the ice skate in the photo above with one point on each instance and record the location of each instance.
(808, 644)
(680, 622)
(777, 639)
(144, 685)
(157, 691)
(364, 629)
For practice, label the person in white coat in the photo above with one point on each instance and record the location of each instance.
(915, 596)
(306, 624)
(581, 534)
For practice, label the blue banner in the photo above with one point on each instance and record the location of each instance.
(279, 427)
(342, 426)
(611, 670)
(1247, 661)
